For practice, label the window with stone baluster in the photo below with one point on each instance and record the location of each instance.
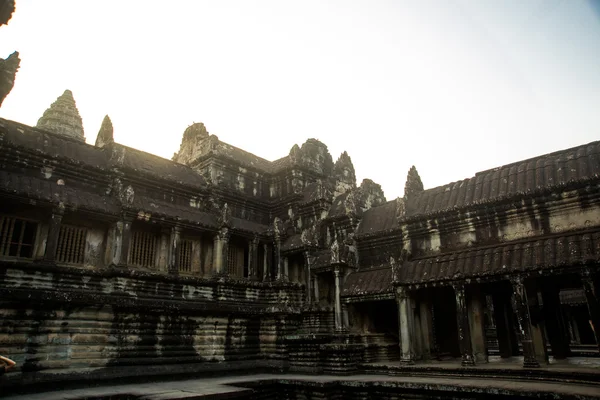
(142, 251)
(184, 256)
(71, 244)
(17, 237)
(236, 259)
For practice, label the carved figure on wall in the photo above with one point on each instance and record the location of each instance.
(335, 252)
(394, 269)
(225, 216)
(278, 228)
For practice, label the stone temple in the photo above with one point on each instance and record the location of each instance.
(120, 266)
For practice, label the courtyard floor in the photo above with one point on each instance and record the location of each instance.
(225, 387)
(570, 364)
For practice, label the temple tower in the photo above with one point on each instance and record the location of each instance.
(105, 135)
(344, 174)
(63, 118)
(413, 184)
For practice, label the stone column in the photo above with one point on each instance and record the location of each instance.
(576, 335)
(521, 308)
(507, 341)
(216, 254)
(174, 242)
(418, 334)
(426, 328)
(590, 289)
(555, 325)
(464, 329)
(407, 354)
(569, 321)
(126, 241)
(53, 234)
(286, 269)
(277, 257)
(537, 322)
(338, 299)
(316, 288)
(224, 250)
(253, 258)
(309, 278)
(265, 262)
(121, 241)
(476, 313)
(283, 273)
(220, 252)
(345, 319)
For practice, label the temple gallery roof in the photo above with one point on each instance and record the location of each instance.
(155, 166)
(378, 219)
(515, 257)
(76, 152)
(53, 193)
(523, 256)
(368, 282)
(545, 172)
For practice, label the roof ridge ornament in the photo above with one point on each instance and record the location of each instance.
(413, 184)
(106, 133)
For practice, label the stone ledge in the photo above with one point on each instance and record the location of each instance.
(550, 374)
(48, 380)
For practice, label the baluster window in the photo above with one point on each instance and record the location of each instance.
(184, 262)
(17, 237)
(71, 245)
(143, 249)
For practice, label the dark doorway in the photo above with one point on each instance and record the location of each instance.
(376, 317)
(446, 330)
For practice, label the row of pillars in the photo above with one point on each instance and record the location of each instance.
(470, 322)
(122, 242)
(312, 287)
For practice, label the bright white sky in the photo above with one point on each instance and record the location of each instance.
(453, 87)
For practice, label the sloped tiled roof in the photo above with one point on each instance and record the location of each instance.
(572, 296)
(550, 252)
(51, 144)
(370, 281)
(244, 157)
(280, 163)
(380, 218)
(556, 169)
(53, 193)
(247, 159)
(248, 226)
(76, 152)
(157, 167)
(161, 208)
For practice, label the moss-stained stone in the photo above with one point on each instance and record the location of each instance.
(220, 260)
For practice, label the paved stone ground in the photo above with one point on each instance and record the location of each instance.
(570, 364)
(209, 387)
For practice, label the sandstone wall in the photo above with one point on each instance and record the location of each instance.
(75, 319)
(554, 214)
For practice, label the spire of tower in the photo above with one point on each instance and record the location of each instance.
(63, 118)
